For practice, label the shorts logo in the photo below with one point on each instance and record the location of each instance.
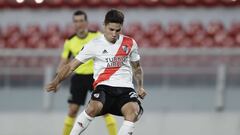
(96, 95)
(133, 95)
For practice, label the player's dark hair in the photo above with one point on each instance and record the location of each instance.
(114, 16)
(80, 12)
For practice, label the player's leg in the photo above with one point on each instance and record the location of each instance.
(111, 124)
(78, 93)
(130, 112)
(130, 108)
(83, 120)
(93, 109)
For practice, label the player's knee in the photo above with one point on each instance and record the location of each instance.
(92, 111)
(94, 108)
(131, 114)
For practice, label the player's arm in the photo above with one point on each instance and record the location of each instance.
(63, 73)
(138, 77)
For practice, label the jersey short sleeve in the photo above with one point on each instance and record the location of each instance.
(86, 53)
(134, 55)
(66, 53)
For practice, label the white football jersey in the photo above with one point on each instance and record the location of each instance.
(111, 61)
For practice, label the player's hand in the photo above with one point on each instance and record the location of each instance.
(141, 93)
(53, 86)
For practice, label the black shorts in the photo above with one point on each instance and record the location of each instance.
(113, 98)
(79, 87)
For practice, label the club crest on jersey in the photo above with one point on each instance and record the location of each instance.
(125, 49)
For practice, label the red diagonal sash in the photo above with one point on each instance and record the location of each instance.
(108, 72)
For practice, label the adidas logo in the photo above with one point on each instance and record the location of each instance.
(104, 51)
(80, 124)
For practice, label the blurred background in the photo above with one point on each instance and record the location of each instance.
(190, 56)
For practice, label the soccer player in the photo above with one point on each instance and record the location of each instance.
(82, 79)
(116, 60)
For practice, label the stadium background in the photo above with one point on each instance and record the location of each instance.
(190, 55)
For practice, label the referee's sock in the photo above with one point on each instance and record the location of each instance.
(68, 124)
(111, 124)
(81, 123)
(127, 128)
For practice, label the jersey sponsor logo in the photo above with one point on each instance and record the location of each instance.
(133, 94)
(96, 95)
(116, 61)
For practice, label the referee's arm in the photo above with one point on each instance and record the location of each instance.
(63, 73)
